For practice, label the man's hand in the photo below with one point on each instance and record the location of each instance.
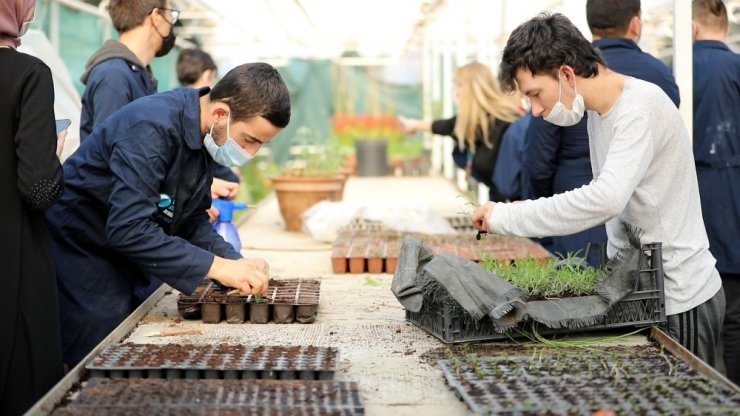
(224, 189)
(481, 215)
(249, 276)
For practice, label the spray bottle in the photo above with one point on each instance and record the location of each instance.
(223, 224)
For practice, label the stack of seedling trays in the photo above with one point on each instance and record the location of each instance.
(377, 251)
(286, 301)
(128, 379)
(645, 380)
(643, 307)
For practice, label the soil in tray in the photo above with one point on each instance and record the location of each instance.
(628, 380)
(259, 313)
(287, 301)
(224, 397)
(224, 356)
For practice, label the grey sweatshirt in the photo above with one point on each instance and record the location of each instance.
(644, 175)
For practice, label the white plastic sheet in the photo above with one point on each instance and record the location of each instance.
(324, 220)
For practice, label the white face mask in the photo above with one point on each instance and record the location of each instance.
(230, 153)
(561, 116)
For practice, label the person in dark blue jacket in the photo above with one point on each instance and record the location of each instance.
(136, 195)
(557, 158)
(119, 71)
(717, 155)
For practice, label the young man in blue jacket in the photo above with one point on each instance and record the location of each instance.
(136, 197)
(119, 71)
(717, 155)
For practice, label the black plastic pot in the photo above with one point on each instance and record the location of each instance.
(372, 157)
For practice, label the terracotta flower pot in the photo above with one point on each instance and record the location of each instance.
(296, 194)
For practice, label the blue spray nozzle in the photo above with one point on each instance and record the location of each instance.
(226, 209)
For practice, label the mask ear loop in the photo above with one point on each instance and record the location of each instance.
(228, 123)
(560, 86)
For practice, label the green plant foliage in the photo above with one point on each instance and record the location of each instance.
(545, 280)
(369, 281)
(255, 183)
(405, 149)
(587, 343)
(470, 203)
(321, 161)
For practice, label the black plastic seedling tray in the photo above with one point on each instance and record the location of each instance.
(286, 301)
(583, 382)
(214, 397)
(644, 307)
(174, 361)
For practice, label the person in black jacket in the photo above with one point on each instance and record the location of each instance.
(32, 180)
(484, 114)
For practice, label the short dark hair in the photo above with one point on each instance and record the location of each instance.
(128, 14)
(710, 13)
(253, 90)
(191, 64)
(543, 44)
(611, 18)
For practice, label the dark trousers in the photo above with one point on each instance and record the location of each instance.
(731, 328)
(698, 329)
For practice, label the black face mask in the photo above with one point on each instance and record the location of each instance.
(168, 42)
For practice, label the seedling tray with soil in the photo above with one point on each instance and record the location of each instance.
(581, 381)
(209, 397)
(643, 307)
(174, 361)
(377, 251)
(287, 301)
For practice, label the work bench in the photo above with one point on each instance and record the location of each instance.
(392, 361)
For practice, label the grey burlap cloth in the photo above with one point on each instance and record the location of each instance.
(422, 276)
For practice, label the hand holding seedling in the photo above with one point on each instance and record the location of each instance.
(481, 215)
(249, 276)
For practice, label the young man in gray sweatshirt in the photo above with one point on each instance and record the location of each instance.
(643, 168)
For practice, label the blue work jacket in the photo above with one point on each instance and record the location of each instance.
(111, 85)
(557, 160)
(717, 148)
(133, 208)
(624, 56)
(509, 175)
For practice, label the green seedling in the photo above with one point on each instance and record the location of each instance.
(470, 204)
(545, 280)
(369, 281)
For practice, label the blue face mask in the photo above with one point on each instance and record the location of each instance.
(229, 154)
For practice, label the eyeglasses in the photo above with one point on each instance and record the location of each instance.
(171, 15)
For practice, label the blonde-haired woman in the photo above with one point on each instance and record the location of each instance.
(484, 114)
